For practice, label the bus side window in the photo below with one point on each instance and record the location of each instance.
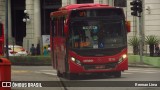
(63, 22)
(61, 27)
(1, 29)
(56, 27)
(53, 27)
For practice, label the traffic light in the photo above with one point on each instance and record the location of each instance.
(136, 7)
(139, 6)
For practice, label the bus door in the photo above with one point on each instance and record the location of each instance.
(60, 42)
(52, 34)
(63, 41)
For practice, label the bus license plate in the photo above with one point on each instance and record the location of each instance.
(100, 66)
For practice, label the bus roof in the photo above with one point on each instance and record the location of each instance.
(65, 9)
(77, 6)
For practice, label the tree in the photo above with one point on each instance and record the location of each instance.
(151, 40)
(135, 43)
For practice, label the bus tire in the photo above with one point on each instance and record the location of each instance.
(117, 74)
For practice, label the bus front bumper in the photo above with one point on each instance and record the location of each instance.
(99, 68)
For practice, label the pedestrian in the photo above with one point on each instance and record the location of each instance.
(45, 52)
(157, 50)
(33, 50)
(38, 49)
(49, 49)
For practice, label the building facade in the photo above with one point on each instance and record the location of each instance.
(27, 32)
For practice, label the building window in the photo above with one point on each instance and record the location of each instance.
(53, 2)
(120, 3)
(48, 6)
(84, 1)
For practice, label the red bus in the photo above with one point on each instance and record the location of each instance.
(88, 38)
(1, 39)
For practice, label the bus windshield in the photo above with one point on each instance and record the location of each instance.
(97, 34)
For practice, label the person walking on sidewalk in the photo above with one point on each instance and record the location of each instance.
(45, 51)
(157, 51)
(49, 49)
(38, 52)
(33, 50)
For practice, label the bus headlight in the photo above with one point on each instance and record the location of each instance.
(75, 60)
(124, 56)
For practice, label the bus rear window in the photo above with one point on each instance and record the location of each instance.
(97, 12)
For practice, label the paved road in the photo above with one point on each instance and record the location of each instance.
(34, 73)
(133, 74)
(46, 73)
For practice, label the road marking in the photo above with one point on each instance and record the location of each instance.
(126, 73)
(48, 72)
(130, 71)
(150, 72)
(20, 71)
(134, 69)
(54, 71)
(54, 74)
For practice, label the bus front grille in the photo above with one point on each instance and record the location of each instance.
(100, 66)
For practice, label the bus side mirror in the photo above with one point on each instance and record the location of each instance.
(128, 26)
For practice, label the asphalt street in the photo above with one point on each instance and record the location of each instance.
(47, 73)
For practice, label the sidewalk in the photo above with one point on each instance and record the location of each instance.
(151, 62)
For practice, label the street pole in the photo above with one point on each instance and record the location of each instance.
(141, 38)
(137, 10)
(6, 29)
(141, 32)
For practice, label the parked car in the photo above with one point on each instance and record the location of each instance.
(16, 51)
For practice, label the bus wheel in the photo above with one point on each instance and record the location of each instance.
(59, 74)
(117, 74)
